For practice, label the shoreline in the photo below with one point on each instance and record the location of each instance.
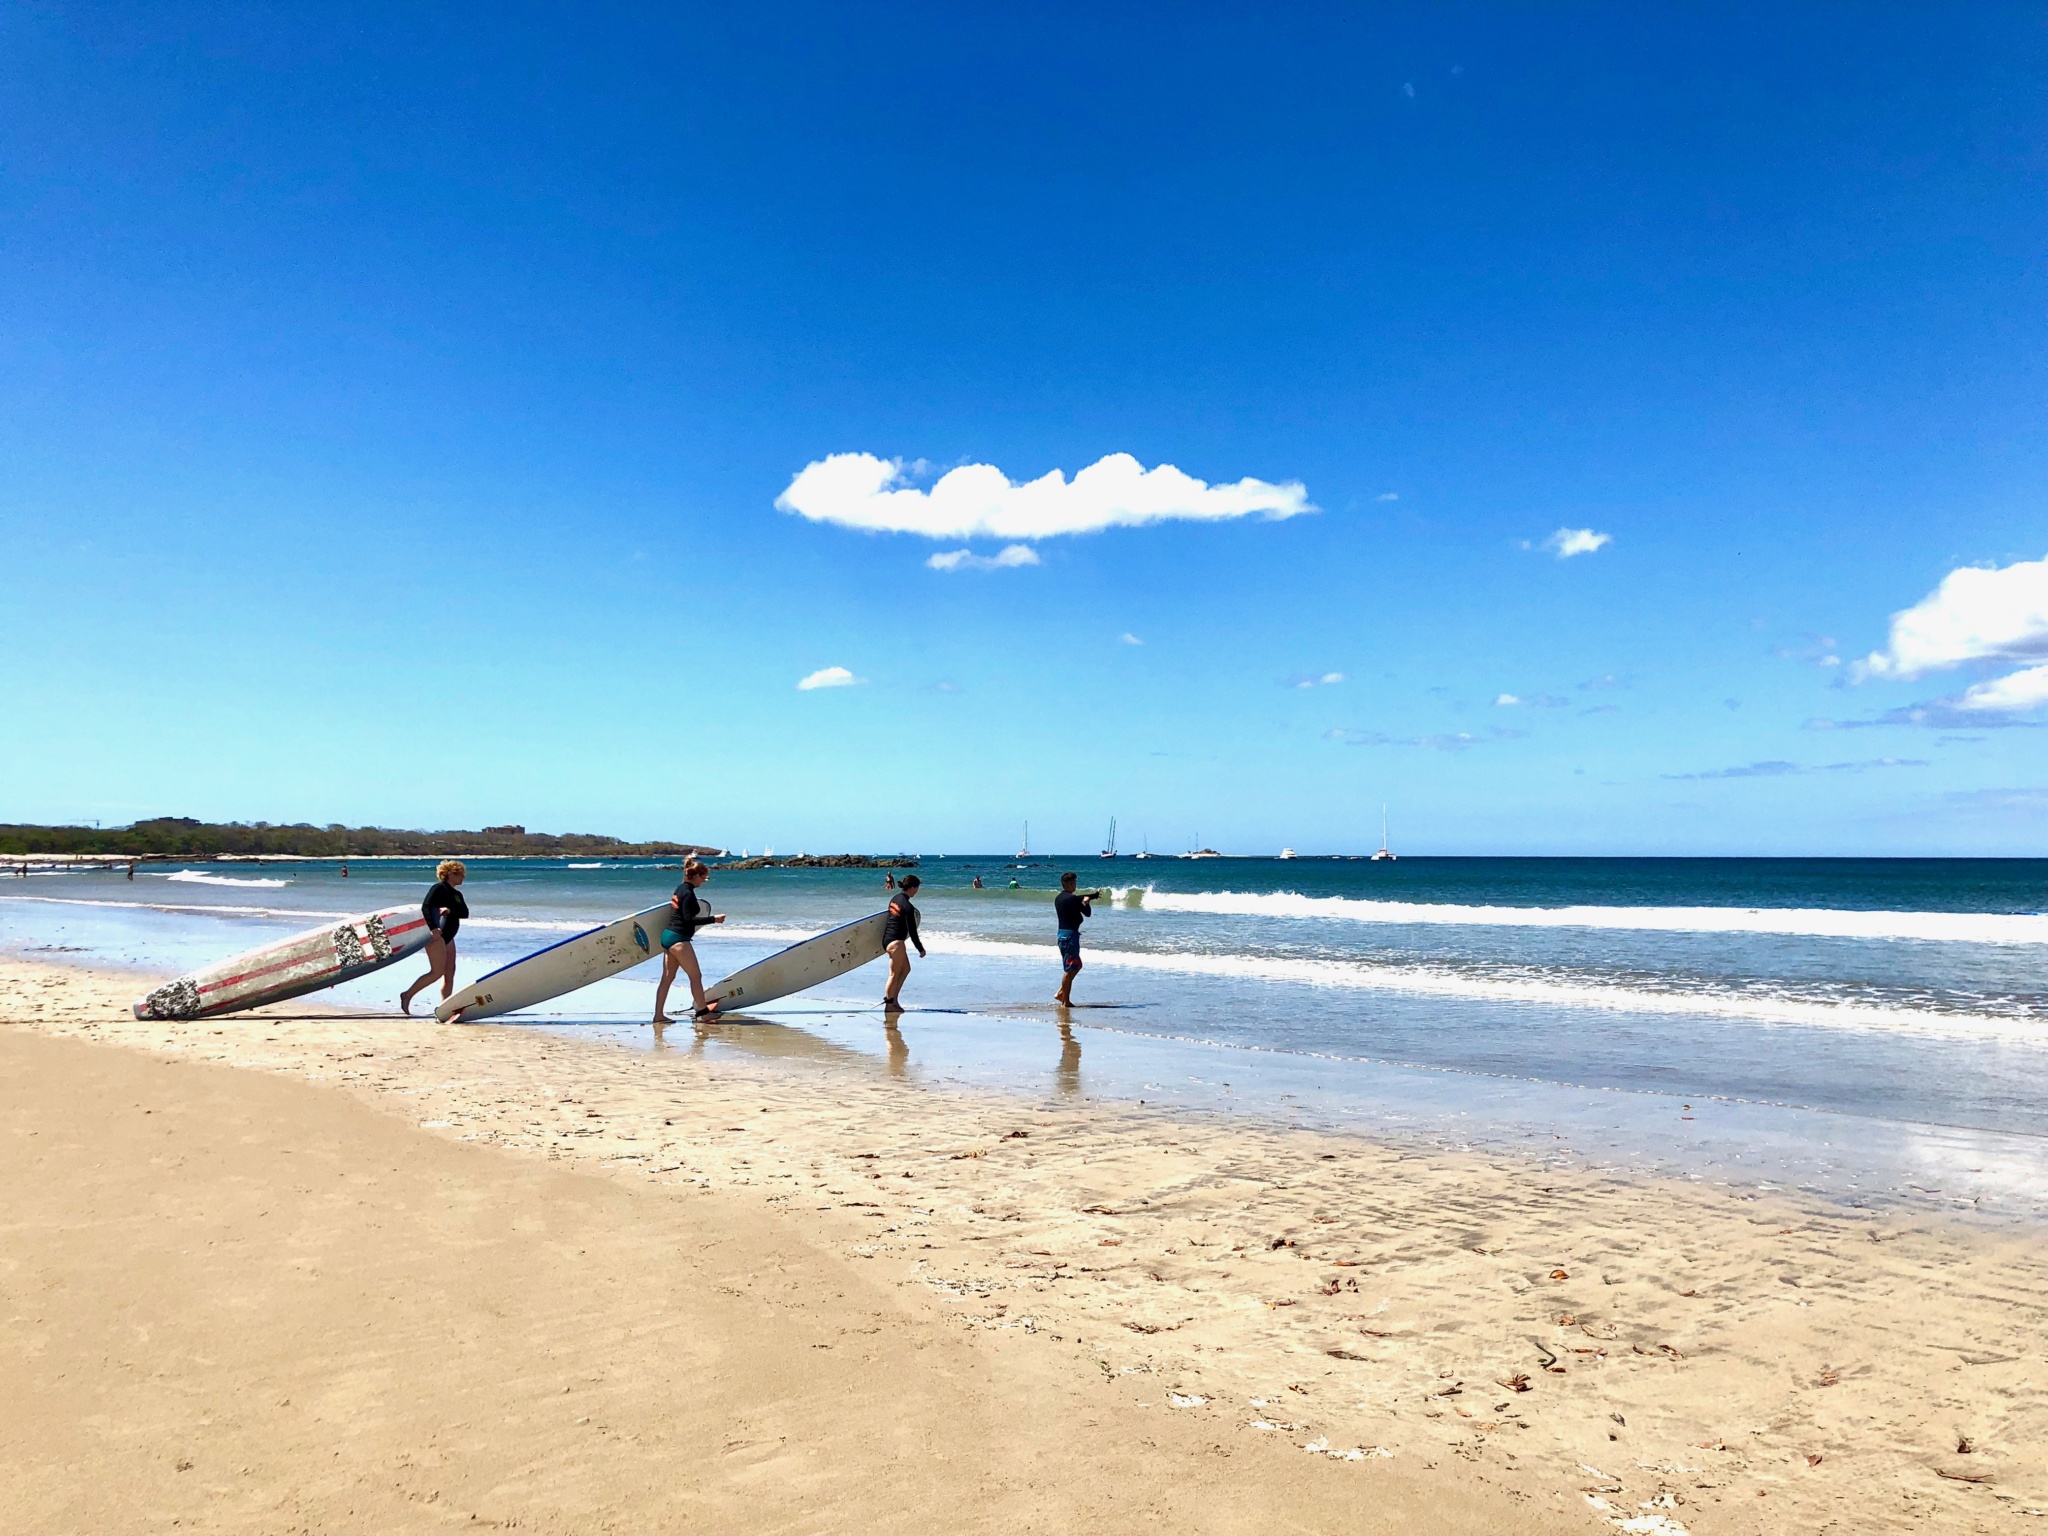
(1310, 1287)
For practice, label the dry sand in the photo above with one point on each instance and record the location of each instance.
(566, 1286)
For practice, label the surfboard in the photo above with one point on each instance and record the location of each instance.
(306, 962)
(575, 962)
(802, 965)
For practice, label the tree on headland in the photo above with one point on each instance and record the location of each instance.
(185, 838)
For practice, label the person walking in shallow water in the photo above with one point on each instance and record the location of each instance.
(444, 910)
(1070, 909)
(899, 932)
(678, 950)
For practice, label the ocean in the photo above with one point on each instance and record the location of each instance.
(1865, 1030)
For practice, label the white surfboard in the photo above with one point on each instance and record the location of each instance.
(575, 962)
(800, 966)
(306, 962)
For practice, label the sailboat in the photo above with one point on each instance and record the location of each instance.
(1110, 851)
(1025, 851)
(1145, 849)
(1383, 853)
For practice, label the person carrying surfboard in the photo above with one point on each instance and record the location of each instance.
(444, 910)
(899, 932)
(678, 952)
(1070, 909)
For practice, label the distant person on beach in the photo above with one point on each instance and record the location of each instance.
(678, 947)
(898, 933)
(444, 910)
(977, 883)
(344, 869)
(888, 882)
(131, 869)
(1070, 909)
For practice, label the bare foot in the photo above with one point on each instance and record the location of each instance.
(405, 1004)
(662, 1018)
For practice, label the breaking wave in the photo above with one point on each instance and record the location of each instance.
(1802, 922)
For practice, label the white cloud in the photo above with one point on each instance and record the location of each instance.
(1389, 496)
(1332, 677)
(1567, 542)
(1505, 699)
(858, 490)
(2016, 691)
(829, 677)
(1310, 680)
(1129, 639)
(968, 560)
(1976, 614)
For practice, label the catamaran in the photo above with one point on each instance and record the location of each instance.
(1384, 853)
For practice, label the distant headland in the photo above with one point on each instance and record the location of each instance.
(181, 837)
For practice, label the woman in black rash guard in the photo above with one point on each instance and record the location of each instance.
(444, 910)
(899, 932)
(686, 915)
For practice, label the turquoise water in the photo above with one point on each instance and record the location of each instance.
(1867, 1029)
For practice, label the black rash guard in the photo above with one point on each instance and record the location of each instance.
(690, 914)
(444, 895)
(902, 923)
(1070, 907)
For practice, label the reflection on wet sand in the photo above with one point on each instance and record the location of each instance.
(1067, 1076)
(755, 1036)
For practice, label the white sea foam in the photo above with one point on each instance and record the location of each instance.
(193, 877)
(300, 914)
(1445, 982)
(1803, 922)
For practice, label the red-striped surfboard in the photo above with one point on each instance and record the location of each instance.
(320, 957)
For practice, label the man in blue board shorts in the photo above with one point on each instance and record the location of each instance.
(1070, 909)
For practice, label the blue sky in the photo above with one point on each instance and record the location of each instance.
(396, 408)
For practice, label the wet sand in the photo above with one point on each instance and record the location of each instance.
(392, 1275)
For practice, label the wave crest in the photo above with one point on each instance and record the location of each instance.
(1800, 922)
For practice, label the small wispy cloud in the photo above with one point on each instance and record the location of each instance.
(1505, 700)
(1778, 768)
(967, 560)
(1388, 496)
(1602, 709)
(1129, 639)
(1312, 680)
(828, 677)
(1441, 741)
(1601, 683)
(859, 490)
(1935, 714)
(1567, 542)
(1818, 649)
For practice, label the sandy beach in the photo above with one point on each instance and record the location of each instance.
(306, 1270)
